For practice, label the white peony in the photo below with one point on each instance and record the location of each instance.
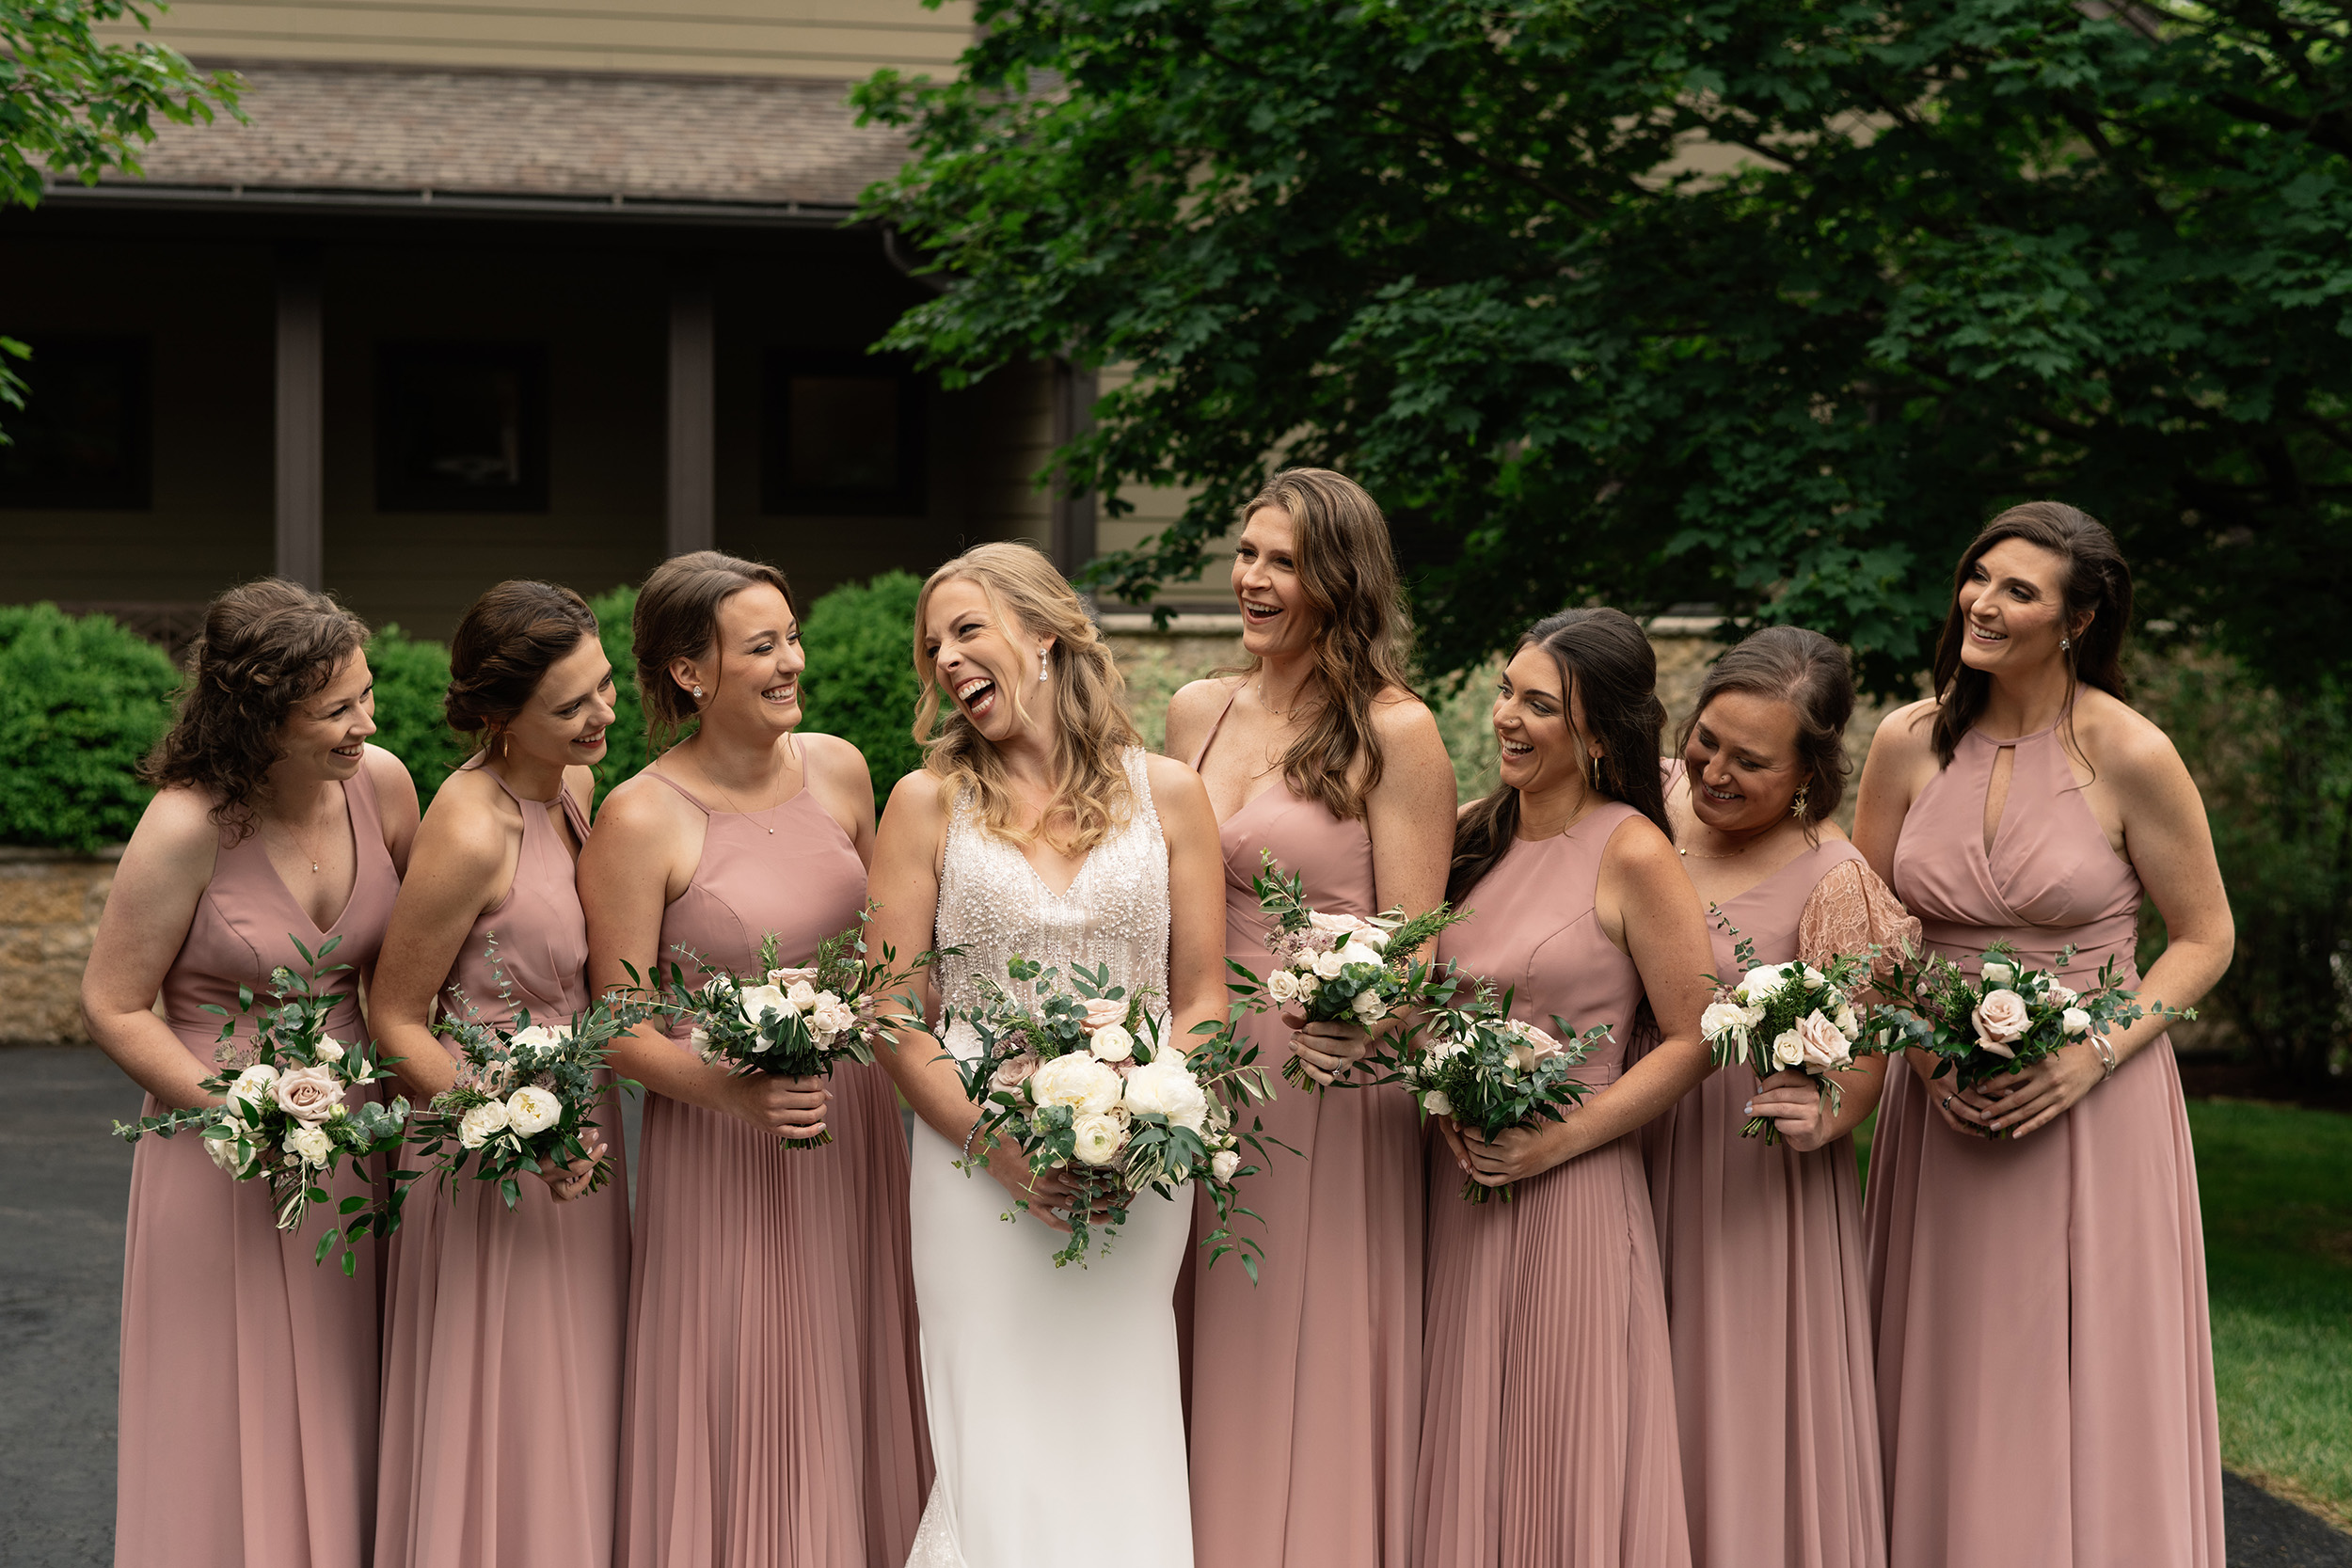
(2074, 1021)
(1223, 1164)
(1759, 982)
(1368, 1008)
(482, 1123)
(1111, 1043)
(1435, 1103)
(755, 1000)
(540, 1036)
(1788, 1048)
(1282, 986)
(1078, 1081)
(311, 1144)
(1100, 1138)
(1328, 965)
(1356, 953)
(1166, 1084)
(531, 1110)
(1999, 975)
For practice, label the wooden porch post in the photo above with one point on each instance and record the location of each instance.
(301, 509)
(692, 512)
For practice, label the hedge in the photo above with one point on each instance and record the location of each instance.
(860, 682)
(81, 701)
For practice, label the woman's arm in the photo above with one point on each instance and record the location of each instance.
(163, 875)
(463, 862)
(1196, 898)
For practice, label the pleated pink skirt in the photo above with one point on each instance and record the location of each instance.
(2045, 1365)
(772, 1414)
(503, 1353)
(1548, 1420)
(1768, 1305)
(1306, 1388)
(248, 1412)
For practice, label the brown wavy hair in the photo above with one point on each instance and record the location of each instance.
(266, 645)
(1091, 731)
(1363, 635)
(2097, 580)
(509, 640)
(1813, 675)
(678, 617)
(1606, 662)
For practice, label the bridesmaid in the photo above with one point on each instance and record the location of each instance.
(503, 1328)
(2045, 1367)
(1306, 1393)
(1547, 1429)
(247, 1424)
(773, 1415)
(1762, 1245)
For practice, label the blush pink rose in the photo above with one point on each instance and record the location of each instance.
(2001, 1019)
(1102, 1012)
(1825, 1047)
(309, 1093)
(1013, 1072)
(785, 979)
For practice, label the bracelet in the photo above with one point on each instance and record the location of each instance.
(2105, 1052)
(979, 1121)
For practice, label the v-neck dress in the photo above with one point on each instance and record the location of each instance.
(245, 1429)
(503, 1328)
(2044, 1364)
(773, 1412)
(1306, 1387)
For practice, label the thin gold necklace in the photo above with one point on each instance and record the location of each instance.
(729, 798)
(1735, 853)
(302, 844)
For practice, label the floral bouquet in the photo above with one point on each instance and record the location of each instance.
(285, 1120)
(523, 1097)
(1791, 1017)
(2007, 1017)
(1490, 1071)
(1078, 1078)
(794, 1022)
(1336, 966)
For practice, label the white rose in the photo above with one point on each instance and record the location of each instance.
(1223, 1164)
(1307, 986)
(1167, 1085)
(1722, 1018)
(311, 1144)
(699, 1038)
(1435, 1103)
(1814, 976)
(249, 1096)
(531, 1110)
(832, 1019)
(540, 1036)
(1077, 1081)
(1368, 1005)
(225, 1154)
(1328, 965)
(329, 1049)
(1100, 1138)
(2074, 1021)
(1999, 975)
(1759, 982)
(1282, 986)
(752, 1000)
(802, 996)
(1788, 1048)
(479, 1124)
(1848, 1025)
(1356, 953)
(1111, 1043)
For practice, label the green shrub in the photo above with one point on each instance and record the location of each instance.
(412, 679)
(860, 683)
(624, 742)
(81, 701)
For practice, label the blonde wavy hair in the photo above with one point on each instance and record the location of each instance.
(1091, 730)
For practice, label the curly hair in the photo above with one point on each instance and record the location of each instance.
(266, 646)
(678, 617)
(1091, 731)
(1812, 674)
(504, 648)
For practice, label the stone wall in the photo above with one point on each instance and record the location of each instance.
(50, 901)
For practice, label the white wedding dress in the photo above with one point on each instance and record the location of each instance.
(1056, 1413)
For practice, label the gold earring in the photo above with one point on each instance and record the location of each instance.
(1592, 771)
(1796, 807)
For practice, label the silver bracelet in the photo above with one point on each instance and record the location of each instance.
(2105, 1052)
(979, 1121)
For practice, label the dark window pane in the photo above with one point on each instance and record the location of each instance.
(80, 442)
(842, 436)
(461, 427)
(844, 432)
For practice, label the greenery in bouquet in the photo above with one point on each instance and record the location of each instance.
(1490, 1071)
(1339, 968)
(2005, 1018)
(1076, 1075)
(287, 1116)
(1790, 1018)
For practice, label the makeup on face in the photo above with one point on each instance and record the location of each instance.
(976, 658)
(760, 659)
(2013, 605)
(1533, 722)
(565, 723)
(1274, 614)
(1741, 761)
(329, 729)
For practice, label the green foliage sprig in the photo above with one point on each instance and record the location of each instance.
(1488, 1071)
(1790, 1018)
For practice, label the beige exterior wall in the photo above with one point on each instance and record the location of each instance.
(807, 38)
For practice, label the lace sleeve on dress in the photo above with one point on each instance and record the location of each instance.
(1847, 911)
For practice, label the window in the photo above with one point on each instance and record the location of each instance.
(841, 436)
(461, 427)
(81, 441)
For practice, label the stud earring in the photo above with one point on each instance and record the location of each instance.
(698, 693)
(1796, 807)
(2064, 643)
(1041, 667)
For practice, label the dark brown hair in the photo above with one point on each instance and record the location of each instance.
(266, 646)
(2097, 580)
(678, 617)
(1363, 637)
(1606, 662)
(1812, 674)
(504, 648)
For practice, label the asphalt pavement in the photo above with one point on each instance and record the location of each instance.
(63, 1185)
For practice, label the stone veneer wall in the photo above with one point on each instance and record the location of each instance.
(50, 901)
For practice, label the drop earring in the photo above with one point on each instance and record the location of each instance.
(1796, 807)
(1041, 667)
(2064, 643)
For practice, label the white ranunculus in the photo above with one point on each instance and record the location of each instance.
(1282, 986)
(1722, 1018)
(1999, 975)
(1788, 1048)
(482, 1123)
(309, 1144)
(1111, 1043)
(2074, 1021)
(1078, 1081)
(1166, 1084)
(1368, 1008)
(540, 1036)
(1760, 982)
(1100, 1138)
(755, 1000)
(1435, 1103)
(531, 1110)
(802, 996)
(1329, 965)
(1223, 1164)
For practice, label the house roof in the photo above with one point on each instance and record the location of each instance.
(565, 138)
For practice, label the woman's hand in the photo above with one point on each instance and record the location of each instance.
(1516, 1154)
(1942, 1093)
(2023, 1103)
(1328, 1050)
(569, 1181)
(1793, 1102)
(787, 1107)
(1043, 1193)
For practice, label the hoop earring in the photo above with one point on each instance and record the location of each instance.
(1592, 771)
(1041, 667)
(1796, 807)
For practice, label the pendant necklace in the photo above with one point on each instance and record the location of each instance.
(729, 798)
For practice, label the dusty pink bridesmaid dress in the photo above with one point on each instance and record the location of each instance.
(1548, 1424)
(246, 1423)
(503, 1328)
(1306, 1388)
(773, 1413)
(1766, 1295)
(2044, 1365)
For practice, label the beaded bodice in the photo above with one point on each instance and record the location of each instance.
(994, 906)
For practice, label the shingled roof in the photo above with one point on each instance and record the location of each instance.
(545, 134)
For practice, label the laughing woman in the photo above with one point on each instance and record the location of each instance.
(771, 1416)
(503, 1328)
(1306, 1389)
(248, 1406)
(2046, 1368)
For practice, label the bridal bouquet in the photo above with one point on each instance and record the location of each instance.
(1791, 1017)
(1490, 1071)
(2008, 1016)
(1337, 967)
(1077, 1076)
(793, 1022)
(285, 1119)
(523, 1097)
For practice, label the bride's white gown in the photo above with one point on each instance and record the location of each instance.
(1057, 1416)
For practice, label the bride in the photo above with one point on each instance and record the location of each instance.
(1040, 827)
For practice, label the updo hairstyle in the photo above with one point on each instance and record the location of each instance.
(1813, 675)
(678, 617)
(504, 648)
